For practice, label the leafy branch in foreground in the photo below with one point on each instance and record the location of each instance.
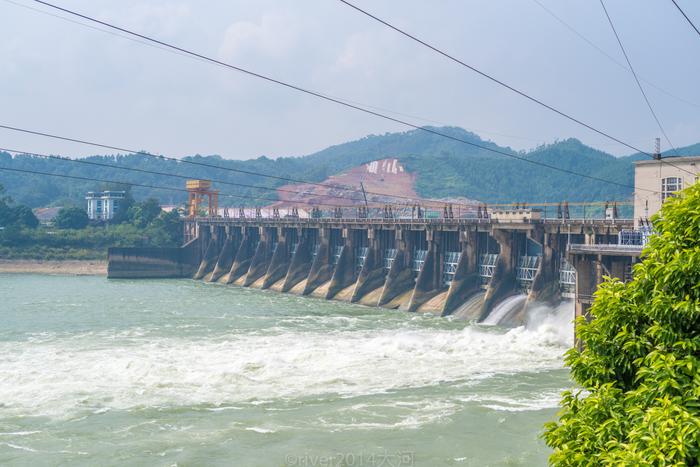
(639, 370)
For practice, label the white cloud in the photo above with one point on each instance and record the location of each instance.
(359, 52)
(274, 35)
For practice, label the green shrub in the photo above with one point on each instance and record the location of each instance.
(71, 218)
(639, 370)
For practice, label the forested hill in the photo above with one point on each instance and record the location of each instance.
(444, 168)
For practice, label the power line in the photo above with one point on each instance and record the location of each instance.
(93, 163)
(507, 86)
(424, 202)
(608, 56)
(191, 162)
(155, 187)
(346, 104)
(381, 109)
(686, 17)
(636, 79)
(185, 161)
(47, 13)
(182, 190)
(165, 174)
(489, 77)
(90, 179)
(117, 148)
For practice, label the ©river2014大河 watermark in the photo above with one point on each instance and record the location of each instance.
(348, 459)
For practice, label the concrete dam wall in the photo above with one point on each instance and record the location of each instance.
(439, 266)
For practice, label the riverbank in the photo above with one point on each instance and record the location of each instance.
(65, 267)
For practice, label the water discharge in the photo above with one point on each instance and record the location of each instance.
(504, 309)
(184, 372)
(471, 309)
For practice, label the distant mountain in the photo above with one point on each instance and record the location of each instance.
(443, 168)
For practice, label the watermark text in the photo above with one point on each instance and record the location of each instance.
(379, 459)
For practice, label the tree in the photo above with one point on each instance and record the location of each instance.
(639, 370)
(142, 214)
(71, 218)
(18, 216)
(122, 214)
(11, 235)
(7, 214)
(24, 217)
(170, 223)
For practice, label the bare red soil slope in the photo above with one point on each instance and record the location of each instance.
(382, 179)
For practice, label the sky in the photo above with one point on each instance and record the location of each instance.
(61, 77)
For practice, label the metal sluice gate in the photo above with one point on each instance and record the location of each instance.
(450, 266)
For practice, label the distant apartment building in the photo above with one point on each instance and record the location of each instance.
(102, 206)
(657, 180)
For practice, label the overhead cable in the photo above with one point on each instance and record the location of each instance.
(686, 17)
(608, 56)
(489, 77)
(335, 100)
(500, 82)
(636, 79)
(157, 187)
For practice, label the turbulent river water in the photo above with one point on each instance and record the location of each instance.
(179, 372)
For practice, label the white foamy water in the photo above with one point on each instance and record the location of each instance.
(172, 368)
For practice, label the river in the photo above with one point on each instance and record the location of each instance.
(180, 372)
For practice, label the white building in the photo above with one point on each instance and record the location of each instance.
(657, 180)
(102, 206)
(516, 215)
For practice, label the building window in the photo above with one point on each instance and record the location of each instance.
(669, 186)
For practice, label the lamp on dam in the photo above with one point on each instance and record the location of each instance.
(197, 190)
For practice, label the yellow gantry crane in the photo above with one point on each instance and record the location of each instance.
(197, 190)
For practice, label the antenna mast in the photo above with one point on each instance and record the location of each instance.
(657, 149)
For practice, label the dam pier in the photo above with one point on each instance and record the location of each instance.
(465, 266)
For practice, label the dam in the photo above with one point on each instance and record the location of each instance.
(444, 266)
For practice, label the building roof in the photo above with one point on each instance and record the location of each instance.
(105, 194)
(669, 159)
(170, 207)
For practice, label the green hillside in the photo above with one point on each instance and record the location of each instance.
(444, 168)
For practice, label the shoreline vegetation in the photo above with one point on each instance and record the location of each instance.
(62, 267)
(73, 244)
